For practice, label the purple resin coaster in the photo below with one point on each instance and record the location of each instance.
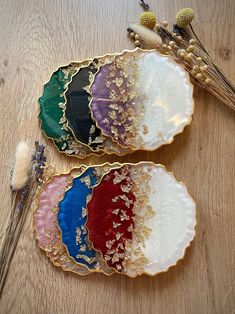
(142, 99)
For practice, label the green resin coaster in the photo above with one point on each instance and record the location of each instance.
(52, 104)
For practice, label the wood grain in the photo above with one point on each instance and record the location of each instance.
(35, 38)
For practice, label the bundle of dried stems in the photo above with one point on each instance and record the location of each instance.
(25, 180)
(184, 46)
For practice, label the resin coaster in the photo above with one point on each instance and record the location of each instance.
(46, 226)
(142, 99)
(77, 111)
(111, 221)
(53, 122)
(51, 111)
(141, 219)
(72, 217)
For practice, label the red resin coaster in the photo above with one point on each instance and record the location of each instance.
(110, 216)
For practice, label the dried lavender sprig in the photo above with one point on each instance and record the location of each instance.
(39, 160)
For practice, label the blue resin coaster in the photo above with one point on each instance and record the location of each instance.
(72, 216)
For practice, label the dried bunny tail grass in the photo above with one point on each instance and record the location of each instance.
(147, 36)
(22, 166)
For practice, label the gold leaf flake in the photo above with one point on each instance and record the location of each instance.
(118, 267)
(124, 216)
(126, 188)
(109, 243)
(149, 212)
(78, 236)
(114, 106)
(118, 81)
(88, 198)
(84, 212)
(112, 74)
(89, 260)
(107, 258)
(47, 233)
(112, 114)
(127, 201)
(113, 94)
(116, 224)
(146, 130)
(87, 88)
(108, 84)
(120, 246)
(54, 209)
(130, 228)
(87, 181)
(48, 248)
(115, 211)
(84, 230)
(92, 129)
(82, 248)
(119, 235)
(106, 121)
(98, 140)
(111, 252)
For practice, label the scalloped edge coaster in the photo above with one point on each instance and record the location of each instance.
(164, 220)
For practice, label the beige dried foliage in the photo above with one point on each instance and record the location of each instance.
(22, 166)
(149, 37)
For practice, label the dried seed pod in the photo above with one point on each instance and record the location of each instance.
(184, 17)
(148, 19)
(22, 166)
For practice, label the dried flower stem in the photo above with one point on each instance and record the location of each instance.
(21, 202)
(12, 239)
(195, 59)
(219, 70)
(144, 5)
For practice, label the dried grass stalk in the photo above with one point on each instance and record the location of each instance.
(22, 166)
(148, 37)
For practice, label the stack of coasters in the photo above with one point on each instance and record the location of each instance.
(116, 104)
(130, 219)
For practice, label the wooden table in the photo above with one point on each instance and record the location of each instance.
(38, 36)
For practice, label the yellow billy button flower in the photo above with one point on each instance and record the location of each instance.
(184, 17)
(148, 19)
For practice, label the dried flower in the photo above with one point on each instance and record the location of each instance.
(147, 37)
(22, 166)
(184, 17)
(190, 52)
(148, 19)
(24, 186)
(39, 160)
